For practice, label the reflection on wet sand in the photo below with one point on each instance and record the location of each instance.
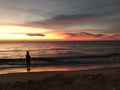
(55, 68)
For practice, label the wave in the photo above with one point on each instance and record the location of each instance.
(86, 59)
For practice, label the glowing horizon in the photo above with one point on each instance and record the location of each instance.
(26, 33)
(23, 33)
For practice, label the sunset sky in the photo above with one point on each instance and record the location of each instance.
(59, 20)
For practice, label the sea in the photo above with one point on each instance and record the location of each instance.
(58, 53)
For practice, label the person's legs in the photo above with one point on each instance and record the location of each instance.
(28, 66)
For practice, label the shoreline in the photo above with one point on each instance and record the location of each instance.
(44, 72)
(57, 68)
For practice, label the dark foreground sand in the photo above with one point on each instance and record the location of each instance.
(97, 79)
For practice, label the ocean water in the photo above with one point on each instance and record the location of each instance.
(12, 55)
(57, 49)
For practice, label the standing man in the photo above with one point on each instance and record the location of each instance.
(28, 59)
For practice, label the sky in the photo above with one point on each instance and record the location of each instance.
(59, 20)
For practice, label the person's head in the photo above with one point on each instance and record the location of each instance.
(27, 52)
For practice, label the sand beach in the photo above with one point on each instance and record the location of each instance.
(105, 78)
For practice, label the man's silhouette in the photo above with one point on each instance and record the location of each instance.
(28, 59)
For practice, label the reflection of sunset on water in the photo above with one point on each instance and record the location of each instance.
(56, 68)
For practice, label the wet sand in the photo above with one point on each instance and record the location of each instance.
(106, 78)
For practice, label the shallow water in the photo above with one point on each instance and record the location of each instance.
(56, 68)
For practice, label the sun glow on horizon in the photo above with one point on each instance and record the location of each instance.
(22, 33)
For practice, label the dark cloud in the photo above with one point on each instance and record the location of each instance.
(61, 20)
(36, 35)
(90, 34)
(85, 34)
(68, 20)
(72, 34)
(70, 17)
